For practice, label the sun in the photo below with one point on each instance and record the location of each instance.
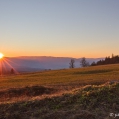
(1, 55)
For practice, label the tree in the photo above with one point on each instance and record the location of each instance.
(112, 55)
(108, 60)
(12, 71)
(93, 64)
(83, 62)
(71, 64)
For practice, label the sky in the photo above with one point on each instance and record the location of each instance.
(60, 28)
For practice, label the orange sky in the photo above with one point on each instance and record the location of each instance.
(59, 28)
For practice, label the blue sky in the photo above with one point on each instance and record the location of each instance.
(67, 28)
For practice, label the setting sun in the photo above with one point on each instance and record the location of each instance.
(1, 55)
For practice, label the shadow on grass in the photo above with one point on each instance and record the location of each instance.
(26, 91)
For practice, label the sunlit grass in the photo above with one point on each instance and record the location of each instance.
(78, 76)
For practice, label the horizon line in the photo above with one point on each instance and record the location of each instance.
(53, 57)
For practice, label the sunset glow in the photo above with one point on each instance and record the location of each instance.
(59, 28)
(1, 55)
(6, 66)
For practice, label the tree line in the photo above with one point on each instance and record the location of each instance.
(107, 60)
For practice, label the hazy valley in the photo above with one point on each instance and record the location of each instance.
(38, 63)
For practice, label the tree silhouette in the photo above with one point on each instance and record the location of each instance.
(108, 60)
(12, 71)
(93, 64)
(71, 64)
(83, 62)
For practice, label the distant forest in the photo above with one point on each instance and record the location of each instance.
(107, 60)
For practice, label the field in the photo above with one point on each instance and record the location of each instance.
(79, 93)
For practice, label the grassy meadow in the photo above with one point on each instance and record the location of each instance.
(78, 76)
(79, 93)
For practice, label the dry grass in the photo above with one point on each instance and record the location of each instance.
(89, 102)
(82, 93)
(79, 76)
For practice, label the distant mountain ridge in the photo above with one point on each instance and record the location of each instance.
(37, 63)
